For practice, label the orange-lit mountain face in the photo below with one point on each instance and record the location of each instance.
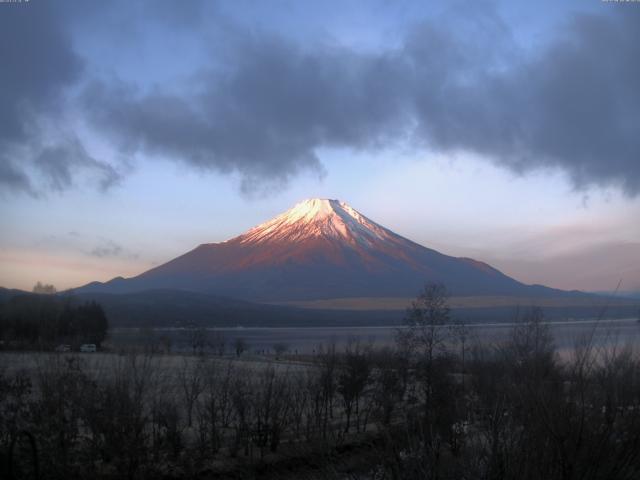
(319, 249)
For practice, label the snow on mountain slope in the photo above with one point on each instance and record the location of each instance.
(320, 218)
(319, 249)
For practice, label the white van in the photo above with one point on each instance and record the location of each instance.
(88, 347)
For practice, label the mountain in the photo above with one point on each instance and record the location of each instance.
(320, 249)
(175, 308)
(7, 293)
(178, 308)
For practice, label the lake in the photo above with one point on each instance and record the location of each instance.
(619, 332)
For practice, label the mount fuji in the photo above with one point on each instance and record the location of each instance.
(320, 249)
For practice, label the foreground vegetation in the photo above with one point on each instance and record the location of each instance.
(43, 321)
(439, 405)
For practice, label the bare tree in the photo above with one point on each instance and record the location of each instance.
(197, 339)
(425, 322)
(280, 348)
(60, 382)
(241, 393)
(115, 414)
(218, 343)
(300, 399)
(166, 428)
(353, 378)
(461, 334)
(192, 384)
(328, 361)
(426, 337)
(240, 345)
(390, 381)
(531, 346)
(271, 406)
(165, 343)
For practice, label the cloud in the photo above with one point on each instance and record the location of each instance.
(597, 267)
(58, 164)
(108, 249)
(39, 65)
(38, 62)
(263, 106)
(264, 120)
(574, 105)
(12, 178)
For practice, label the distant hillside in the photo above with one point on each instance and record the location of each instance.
(7, 293)
(178, 308)
(174, 308)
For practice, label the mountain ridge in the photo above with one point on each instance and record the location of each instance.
(180, 308)
(319, 249)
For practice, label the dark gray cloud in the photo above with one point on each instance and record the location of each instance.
(13, 178)
(38, 66)
(59, 164)
(132, 18)
(573, 105)
(38, 62)
(108, 248)
(264, 117)
(264, 106)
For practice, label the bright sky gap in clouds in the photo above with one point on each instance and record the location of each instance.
(132, 131)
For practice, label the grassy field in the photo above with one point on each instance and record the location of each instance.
(401, 303)
(170, 366)
(358, 412)
(172, 398)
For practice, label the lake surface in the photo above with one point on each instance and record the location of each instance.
(621, 332)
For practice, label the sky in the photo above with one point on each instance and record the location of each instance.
(509, 132)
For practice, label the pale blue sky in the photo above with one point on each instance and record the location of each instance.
(132, 197)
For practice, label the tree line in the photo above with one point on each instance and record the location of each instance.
(44, 321)
(439, 404)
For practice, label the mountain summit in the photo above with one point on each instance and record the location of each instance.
(319, 218)
(319, 249)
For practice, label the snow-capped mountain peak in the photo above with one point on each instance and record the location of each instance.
(318, 218)
(319, 249)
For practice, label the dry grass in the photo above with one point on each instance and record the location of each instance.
(401, 303)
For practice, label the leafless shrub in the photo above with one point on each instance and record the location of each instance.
(428, 408)
(192, 384)
(218, 343)
(56, 412)
(215, 410)
(15, 391)
(240, 346)
(197, 338)
(117, 418)
(354, 377)
(271, 404)
(390, 383)
(280, 348)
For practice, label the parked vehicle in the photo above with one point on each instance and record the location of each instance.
(63, 348)
(88, 348)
